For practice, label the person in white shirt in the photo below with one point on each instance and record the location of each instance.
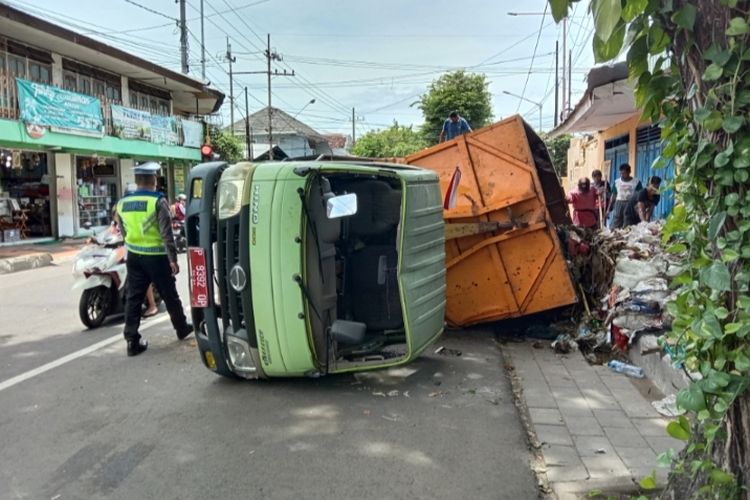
(622, 192)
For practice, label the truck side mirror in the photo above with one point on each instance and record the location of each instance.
(343, 205)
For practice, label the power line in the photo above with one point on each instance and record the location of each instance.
(149, 9)
(531, 64)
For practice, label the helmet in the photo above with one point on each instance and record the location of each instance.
(181, 196)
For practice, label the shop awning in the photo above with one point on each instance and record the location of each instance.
(608, 100)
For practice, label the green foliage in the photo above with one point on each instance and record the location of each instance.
(690, 63)
(558, 152)
(467, 93)
(230, 148)
(395, 141)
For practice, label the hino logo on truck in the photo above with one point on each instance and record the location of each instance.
(255, 204)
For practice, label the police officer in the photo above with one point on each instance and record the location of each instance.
(152, 256)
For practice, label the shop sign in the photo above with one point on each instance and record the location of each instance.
(64, 111)
(128, 123)
(163, 130)
(35, 131)
(192, 134)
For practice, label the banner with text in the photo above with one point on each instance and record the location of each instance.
(192, 134)
(128, 123)
(163, 130)
(67, 112)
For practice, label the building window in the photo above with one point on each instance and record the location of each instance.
(70, 81)
(113, 93)
(152, 104)
(17, 66)
(39, 72)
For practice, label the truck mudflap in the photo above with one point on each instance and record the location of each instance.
(515, 266)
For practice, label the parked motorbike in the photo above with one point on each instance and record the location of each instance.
(178, 230)
(100, 274)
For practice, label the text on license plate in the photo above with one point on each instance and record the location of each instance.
(198, 277)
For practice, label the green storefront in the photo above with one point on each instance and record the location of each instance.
(68, 159)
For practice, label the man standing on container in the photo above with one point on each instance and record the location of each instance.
(454, 126)
(152, 255)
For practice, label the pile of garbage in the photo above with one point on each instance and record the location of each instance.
(624, 276)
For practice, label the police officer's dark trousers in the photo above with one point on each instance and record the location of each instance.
(142, 271)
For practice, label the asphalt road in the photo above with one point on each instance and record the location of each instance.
(78, 419)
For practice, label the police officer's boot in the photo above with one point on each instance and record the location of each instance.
(184, 332)
(135, 347)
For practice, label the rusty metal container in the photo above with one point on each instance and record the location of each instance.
(503, 255)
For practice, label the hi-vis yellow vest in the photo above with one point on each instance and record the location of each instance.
(137, 214)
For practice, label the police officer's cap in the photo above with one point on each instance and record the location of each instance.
(148, 168)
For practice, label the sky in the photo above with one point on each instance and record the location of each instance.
(377, 57)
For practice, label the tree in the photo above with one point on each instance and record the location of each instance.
(229, 147)
(690, 62)
(395, 141)
(558, 152)
(467, 93)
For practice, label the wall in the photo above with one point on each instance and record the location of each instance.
(127, 176)
(66, 212)
(587, 153)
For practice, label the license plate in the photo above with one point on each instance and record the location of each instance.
(198, 277)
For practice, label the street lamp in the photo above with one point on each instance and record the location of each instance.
(538, 104)
(311, 101)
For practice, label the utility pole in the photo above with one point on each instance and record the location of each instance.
(203, 47)
(270, 109)
(270, 56)
(183, 38)
(557, 81)
(564, 72)
(570, 81)
(247, 129)
(231, 59)
(354, 130)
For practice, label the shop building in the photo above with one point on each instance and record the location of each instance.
(611, 131)
(75, 116)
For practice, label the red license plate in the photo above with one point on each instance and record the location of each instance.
(198, 277)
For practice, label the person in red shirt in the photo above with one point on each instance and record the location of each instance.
(178, 208)
(584, 201)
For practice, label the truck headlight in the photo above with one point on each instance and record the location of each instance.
(229, 192)
(239, 355)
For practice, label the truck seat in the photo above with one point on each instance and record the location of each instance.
(321, 278)
(377, 301)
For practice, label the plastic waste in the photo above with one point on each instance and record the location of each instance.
(626, 369)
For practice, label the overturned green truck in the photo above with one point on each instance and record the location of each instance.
(311, 268)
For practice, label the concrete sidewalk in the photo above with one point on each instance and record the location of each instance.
(595, 428)
(23, 257)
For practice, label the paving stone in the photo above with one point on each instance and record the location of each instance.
(612, 418)
(662, 444)
(583, 425)
(605, 466)
(651, 427)
(600, 400)
(570, 409)
(637, 457)
(622, 436)
(567, 473)
(640, 409)
(561, 455)
(661, 474)
(548, 416)
(538, 399)
(553, 434)
(587, 446)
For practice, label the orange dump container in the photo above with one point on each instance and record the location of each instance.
(503, 255)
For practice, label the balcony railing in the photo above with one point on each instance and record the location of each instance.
(9, 108)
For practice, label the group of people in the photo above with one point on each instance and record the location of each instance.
(144, 217)
(628, 201)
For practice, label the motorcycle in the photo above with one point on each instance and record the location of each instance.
(101, 275)
(180, 240)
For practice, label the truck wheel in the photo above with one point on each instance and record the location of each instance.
(94, 306)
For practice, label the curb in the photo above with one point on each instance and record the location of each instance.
(25, 262)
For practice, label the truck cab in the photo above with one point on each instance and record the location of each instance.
(310, 268)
